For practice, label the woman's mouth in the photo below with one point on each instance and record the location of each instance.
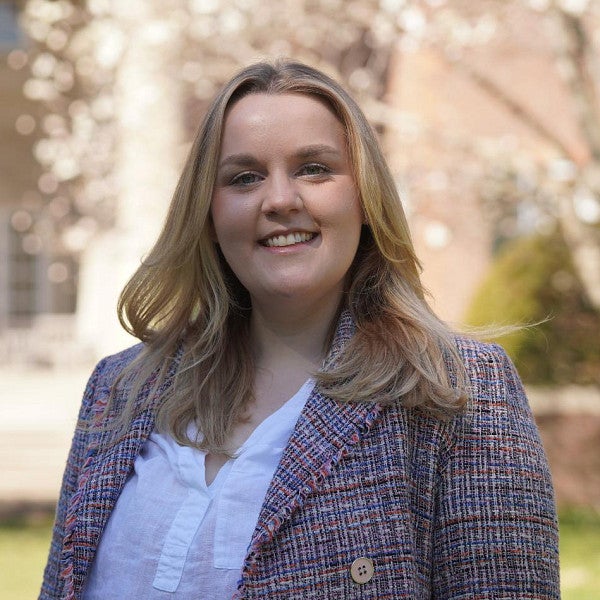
(288, 240)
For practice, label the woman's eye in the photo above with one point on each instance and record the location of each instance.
(244, 179)
(314, 169)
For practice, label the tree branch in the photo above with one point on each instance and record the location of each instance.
(576, 52)
(515, 108)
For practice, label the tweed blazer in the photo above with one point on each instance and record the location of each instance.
(452, 509)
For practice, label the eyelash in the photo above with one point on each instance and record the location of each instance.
(323, 170)
(237, 179)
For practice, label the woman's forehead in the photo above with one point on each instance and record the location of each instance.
(292, 99)
(279, 118)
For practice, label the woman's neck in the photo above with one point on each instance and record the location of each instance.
(286, 341)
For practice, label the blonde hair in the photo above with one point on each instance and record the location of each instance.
(185, 294)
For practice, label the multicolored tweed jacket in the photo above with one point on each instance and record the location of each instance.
(445, 510)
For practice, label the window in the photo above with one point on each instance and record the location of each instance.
(33, 282)
(10, 32)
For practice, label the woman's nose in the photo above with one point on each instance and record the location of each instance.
(280, 196)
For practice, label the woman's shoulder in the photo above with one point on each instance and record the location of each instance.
(113, 365)
(132, 368)
(471, 348)
(493, 382)
(108, 371)
(483, 358)
(122, 358)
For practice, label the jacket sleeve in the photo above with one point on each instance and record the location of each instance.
(496, 530)
(52, 583)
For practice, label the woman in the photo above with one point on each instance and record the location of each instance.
(297, 422)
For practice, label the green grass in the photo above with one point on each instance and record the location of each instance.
(24, 545)
(23, 549)
(580, 554)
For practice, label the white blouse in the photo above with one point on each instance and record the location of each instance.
(172, 536)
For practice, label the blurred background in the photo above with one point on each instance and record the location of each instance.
(489, 113)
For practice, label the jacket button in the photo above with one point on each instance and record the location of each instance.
(362, 570)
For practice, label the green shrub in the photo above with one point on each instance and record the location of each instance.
(533, 280)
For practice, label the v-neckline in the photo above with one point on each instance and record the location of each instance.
(294, 404)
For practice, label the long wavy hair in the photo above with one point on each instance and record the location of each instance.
(184, 298)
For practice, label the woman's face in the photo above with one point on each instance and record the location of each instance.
(285, 209)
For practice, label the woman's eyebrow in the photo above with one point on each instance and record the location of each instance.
(316, 150)
(238, 160)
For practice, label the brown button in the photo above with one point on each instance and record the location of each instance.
(362, 570)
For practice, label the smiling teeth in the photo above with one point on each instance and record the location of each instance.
(289, 239)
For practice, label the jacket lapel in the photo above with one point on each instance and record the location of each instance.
(323, 435)
(325, 431)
